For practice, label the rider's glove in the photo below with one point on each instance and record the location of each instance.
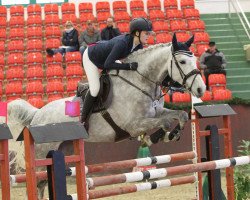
(133, 66)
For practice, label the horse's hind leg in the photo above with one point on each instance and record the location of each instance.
(40, 188)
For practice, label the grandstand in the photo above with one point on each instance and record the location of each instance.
(27, 30)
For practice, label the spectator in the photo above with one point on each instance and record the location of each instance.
(110, 31)
(69, 40)
(89, 36)
(212, 61)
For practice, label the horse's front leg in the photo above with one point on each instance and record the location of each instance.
(142, 125)
(170, 115)
(162, 134)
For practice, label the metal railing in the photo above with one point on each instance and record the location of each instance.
(239, 11)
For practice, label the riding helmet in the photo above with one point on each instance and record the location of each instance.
(140, 24)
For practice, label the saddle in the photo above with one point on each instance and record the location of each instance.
(104, 100)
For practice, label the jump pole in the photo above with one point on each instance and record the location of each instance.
(170, 171)
(106, 167)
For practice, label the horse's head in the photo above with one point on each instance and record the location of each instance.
(183, 67)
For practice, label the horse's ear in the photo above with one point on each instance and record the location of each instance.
(174, 42)
(190, 41)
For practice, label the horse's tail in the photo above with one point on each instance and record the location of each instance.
(20, 114)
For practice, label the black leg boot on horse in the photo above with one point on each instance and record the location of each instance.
(88, 105)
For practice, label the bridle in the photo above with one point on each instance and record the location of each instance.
(184, 76)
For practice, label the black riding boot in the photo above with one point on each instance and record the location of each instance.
(87, 106)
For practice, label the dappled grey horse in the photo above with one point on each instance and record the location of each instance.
(134, 111)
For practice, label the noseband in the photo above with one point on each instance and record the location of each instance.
(184, 76)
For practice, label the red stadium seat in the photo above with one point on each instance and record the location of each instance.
(163, 38)
(16, 34)
(52, 20)
(166, 98)
(201, 37)
(222, 95)
(196, 25)
(181, 97)
(14, 74)
(36, 101)
(13, 90)
(178, 26)
(53, 97)
(34, 32)
(207, 96)
(74, 71)
(34, 9)
(15, 46)
(84, 17)
(34, 58)
(34, 20)
(201, 48)
(156, 15)
(73, 57)
(139, 13)
(3, 34)
(103, 16)
(121, 16)
(85, 8)
(153, 4)
(17, 10)
(160, 26)
(54, 72)
(52, 43)
(53, 32)
(191, 13)
(136, 5)
(15, 59)
(123, 27)
(3, 11)
(17, 21)
(68, 8)
(217, 80)
(170, 4)
(151, 40)
(72, 87)
(34, 45)
(3, 22)
(2, 63)
(55, 59)
(69, 17)
(35, 73)
(193, 49)
(102, 6)
(51, 9)
(55, 87)
(187, 4)
(119, 5)
(2, 47)
(1, 76)
(182, 37)
(174, 14)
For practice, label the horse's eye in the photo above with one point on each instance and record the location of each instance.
(183, 62)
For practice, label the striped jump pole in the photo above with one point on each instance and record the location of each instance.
(163, 172)
(106, 167)
(96, 194)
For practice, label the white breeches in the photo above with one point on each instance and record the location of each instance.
(92, 74)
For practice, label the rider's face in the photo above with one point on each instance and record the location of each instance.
(144, 36)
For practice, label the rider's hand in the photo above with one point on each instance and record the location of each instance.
(133, 66)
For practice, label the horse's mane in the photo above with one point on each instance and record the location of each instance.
(149, 49)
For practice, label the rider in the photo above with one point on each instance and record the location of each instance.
(104, 54)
